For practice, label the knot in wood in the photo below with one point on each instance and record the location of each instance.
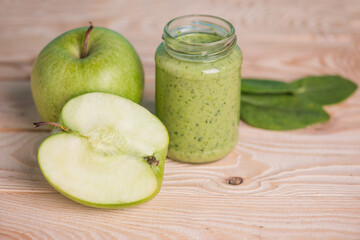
(234, 180)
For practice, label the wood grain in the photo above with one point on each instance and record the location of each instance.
(302, 184)
(307, 179)
(190, 218)
(296, 164)
(277, 199)
(27, 28)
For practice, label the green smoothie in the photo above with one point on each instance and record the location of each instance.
(199, 102)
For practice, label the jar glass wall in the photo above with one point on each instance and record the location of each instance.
(198, 68)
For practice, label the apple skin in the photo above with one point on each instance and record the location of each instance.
(159, 173)
(59, 73)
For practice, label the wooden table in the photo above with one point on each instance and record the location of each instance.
(302, 184)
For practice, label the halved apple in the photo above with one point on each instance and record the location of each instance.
(110, 155)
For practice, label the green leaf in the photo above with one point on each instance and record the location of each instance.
(324, 89)
(280, 112)
(260, 86)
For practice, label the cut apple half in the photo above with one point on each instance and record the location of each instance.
(111, 155)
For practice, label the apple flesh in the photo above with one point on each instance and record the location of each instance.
(110, 65)
(112, 154)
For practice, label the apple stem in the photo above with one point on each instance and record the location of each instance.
(87, 35)
(39, 124)
(152, 160)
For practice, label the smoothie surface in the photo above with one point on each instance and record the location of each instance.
(199, 38)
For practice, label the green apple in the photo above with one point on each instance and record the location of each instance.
(79, 62)
(111, 153)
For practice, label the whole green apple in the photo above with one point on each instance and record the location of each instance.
(82, 61)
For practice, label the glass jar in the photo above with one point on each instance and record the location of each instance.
(198, 86)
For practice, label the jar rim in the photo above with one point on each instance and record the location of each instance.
(199, 51)
(222, 40)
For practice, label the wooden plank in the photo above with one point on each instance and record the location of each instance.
(50, 216)
(279, 60)
(283, 61)
(18, 112)
(290, 164)
(293, 181)
(17, 109)
(296, 185)
(25, 31)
